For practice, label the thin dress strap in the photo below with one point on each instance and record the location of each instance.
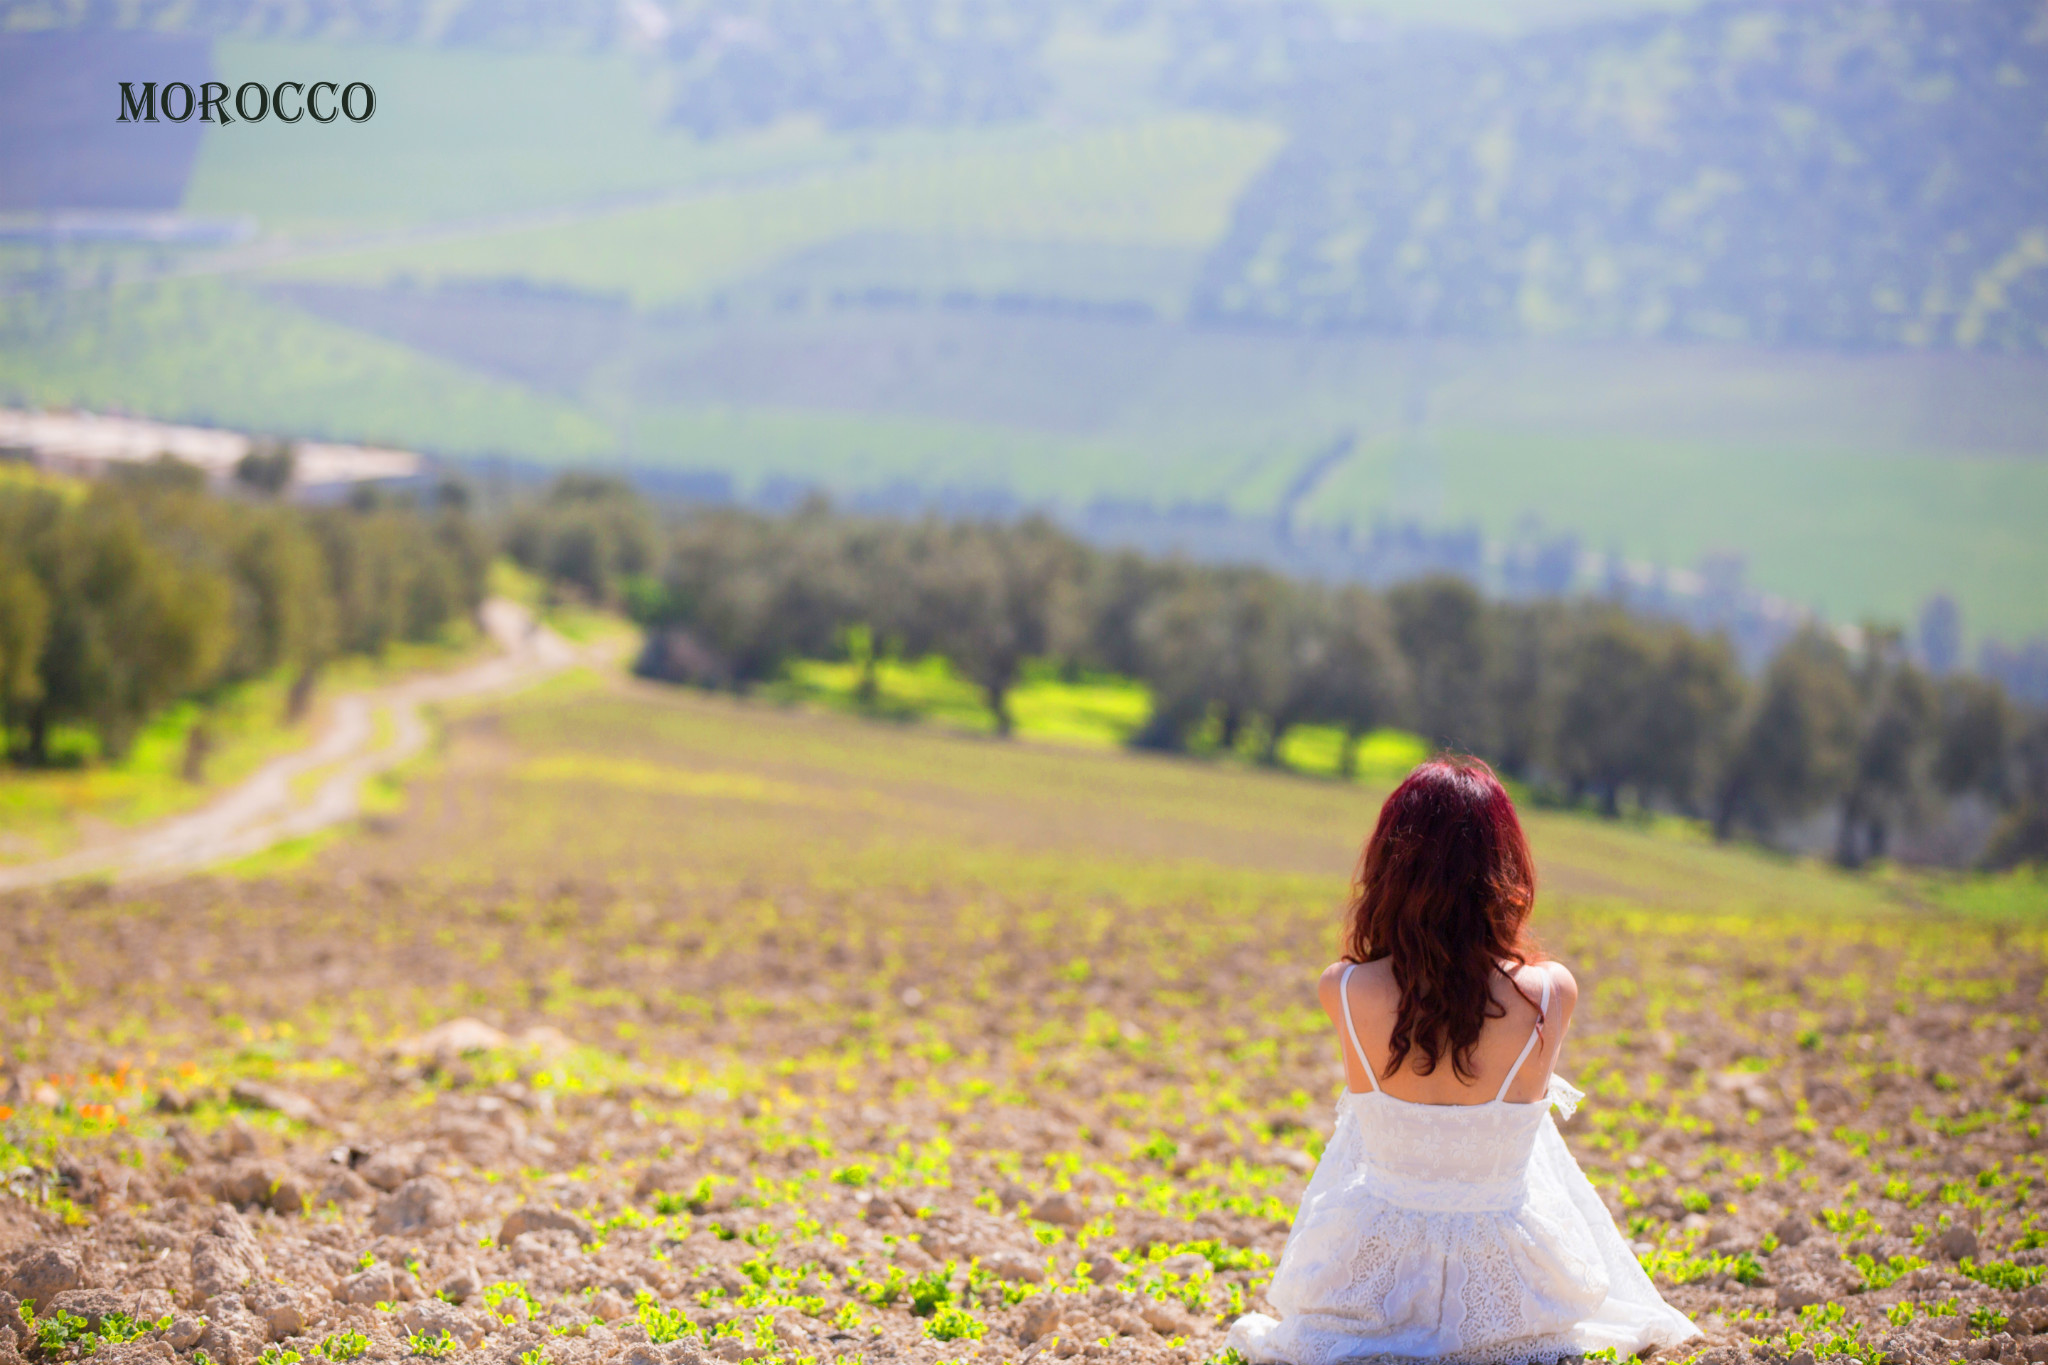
(1344, 1002)
(1542, 1013)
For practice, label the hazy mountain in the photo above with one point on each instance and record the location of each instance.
(1842, 174)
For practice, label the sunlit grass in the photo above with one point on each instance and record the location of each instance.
(1090, 711)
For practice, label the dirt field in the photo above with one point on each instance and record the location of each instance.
(790, 1035)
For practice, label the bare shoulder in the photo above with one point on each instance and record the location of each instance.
(1331, 982)
(1368, 982)
(1564, 987)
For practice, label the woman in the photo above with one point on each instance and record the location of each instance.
(1447, 1219)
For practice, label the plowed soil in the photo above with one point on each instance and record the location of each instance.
(662, 1027)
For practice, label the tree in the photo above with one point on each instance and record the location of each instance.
(396, 576)
(131, 627)
(873, 576)
(734, 596)
(284, 609)
(991, 597)
(268, 468)
(1441, 625)
(24, 627)
(589, 534)
(1797, 749)
(1362, 684)
(1221, 645)
(120, 597)
(1183, 646)
(1688, 714)
(1117, 589)
(2022, 837)
(1976, 730)
(1525, 672)
(1602, 714)
(1294, 684)
(1898, 718)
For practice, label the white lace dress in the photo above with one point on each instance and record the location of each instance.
(1463, 1232)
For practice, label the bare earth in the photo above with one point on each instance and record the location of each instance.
(664, 1028)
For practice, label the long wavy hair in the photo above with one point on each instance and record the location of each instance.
(1444, 890)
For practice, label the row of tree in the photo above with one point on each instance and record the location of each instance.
(1576, 698)
(124, 595)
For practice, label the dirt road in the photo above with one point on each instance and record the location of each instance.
(270, 807)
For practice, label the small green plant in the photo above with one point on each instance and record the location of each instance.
(1851, 1222)
(2002, 1274)
(854, 1176)
(1160, 1149)
(847, 1319)
(278, 1355)
(931, 1291)
(1695, 1201)
(1900, 1313)
(1884, 1274)
(1743, 1268)
(1988, 1321)
(496, 1296)
(954, 1323)
(1823, 1329)
(536, 1356)
(664, 1326)
(114, 1329)
(346, 1345)
(55, 1332)
(62, 1330)
(1682, 1267)
(434, 1347)
(699, 1198)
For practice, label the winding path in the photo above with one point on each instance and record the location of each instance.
(266, 809)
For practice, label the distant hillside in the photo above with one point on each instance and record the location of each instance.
(60, 147)
(1268, 279)
(1843, 174)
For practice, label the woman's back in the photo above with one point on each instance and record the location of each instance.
(1373, 998)
(1464, 1155)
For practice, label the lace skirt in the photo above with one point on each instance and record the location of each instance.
(1366, 1277)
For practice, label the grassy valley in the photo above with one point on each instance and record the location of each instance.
(620, 265)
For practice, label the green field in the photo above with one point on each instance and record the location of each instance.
(216, 353)
(1165, 182)
(465, 136)
(559, 278)
(1859, 535)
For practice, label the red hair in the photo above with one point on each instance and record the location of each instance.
(1444, 890)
